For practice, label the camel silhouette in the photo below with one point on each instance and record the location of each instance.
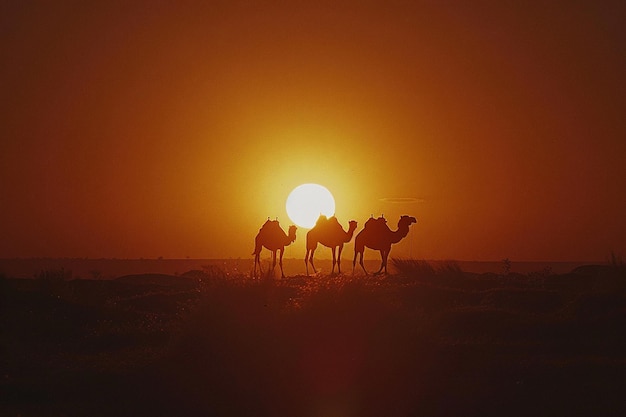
(272, 237)
(329, 233)
(377, 235)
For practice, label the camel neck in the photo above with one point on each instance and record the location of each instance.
(399, 234)
(349, 233)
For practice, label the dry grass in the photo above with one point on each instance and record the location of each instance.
(429, 340)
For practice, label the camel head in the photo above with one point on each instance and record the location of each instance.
(352, 225)
(292, 233)
(406, 221)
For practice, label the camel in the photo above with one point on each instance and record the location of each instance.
(377, 235)
(273, 237)
(329, 233)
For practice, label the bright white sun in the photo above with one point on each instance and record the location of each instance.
(307, 201)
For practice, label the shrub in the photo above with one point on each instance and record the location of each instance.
(55, 275)
(414, 268)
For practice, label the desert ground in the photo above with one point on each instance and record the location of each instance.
(426, 340)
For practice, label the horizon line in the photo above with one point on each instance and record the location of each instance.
(285, 258)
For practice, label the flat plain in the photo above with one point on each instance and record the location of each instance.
(429, 339)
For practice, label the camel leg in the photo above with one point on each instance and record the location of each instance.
(280, 262)
(273, 261)
(311, 260)
(310, 252)
(256, 260)
(339, 259)
(382, 262)
(384, 254)
(357, 253)
(306, 262)
(386, 258)
(332, 271)
(360, 261)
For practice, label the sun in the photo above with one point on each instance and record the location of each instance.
(306, 202)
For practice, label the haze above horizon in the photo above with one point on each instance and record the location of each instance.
(143, 129)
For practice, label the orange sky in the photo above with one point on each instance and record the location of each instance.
(174, 130)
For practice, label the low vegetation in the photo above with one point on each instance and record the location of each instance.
(428, 340)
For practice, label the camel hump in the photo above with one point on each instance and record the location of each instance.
(333, 221)
(376, 223)
(270, 227)
(321, 220)
(325, 224)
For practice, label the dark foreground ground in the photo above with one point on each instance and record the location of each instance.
(423, 342)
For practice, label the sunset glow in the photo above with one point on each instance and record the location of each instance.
(163, 129)
(307, 201)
